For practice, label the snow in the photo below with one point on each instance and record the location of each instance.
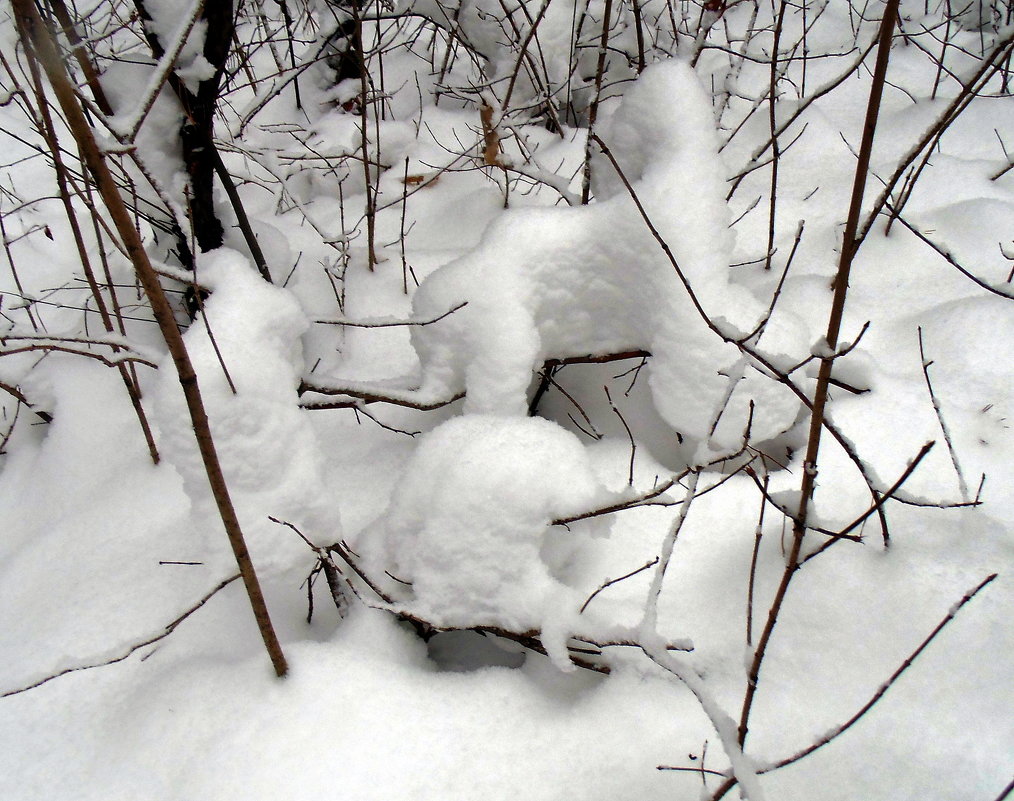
(249, 335)
(450, 511)
(479, 493)
(592, 281)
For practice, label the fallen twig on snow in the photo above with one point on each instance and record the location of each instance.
(168, 629)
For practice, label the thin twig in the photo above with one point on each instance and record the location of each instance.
(841, 729)
(758, 534)
(947, 256)
(611, 582)
(167, 630)
(388, 323)
(1006, 791)
(926, 364)
(630, 436)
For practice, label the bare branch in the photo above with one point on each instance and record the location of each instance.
(168, 629)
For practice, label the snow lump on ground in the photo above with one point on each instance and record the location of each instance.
(467, 523)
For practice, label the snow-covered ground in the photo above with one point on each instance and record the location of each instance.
(462, 514)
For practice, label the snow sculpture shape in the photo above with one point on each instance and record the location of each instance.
(269, 452)
(592, 280)
(467, 524)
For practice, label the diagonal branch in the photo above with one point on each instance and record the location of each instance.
(848, 250)
(31, 28)
(168, 629)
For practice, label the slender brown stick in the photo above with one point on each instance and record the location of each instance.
(49, 135)
(34, 30)
(775, 144)
(596, 98)
(837, 731)
(81, 55)
(758, 535)
(848, 251)
(947, 256)
(1006, 791)
(926, 364)
(364, 134)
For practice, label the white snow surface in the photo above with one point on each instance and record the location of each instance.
(100, 549)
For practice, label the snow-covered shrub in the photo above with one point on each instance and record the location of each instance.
(247, 352)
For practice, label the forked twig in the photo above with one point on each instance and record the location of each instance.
(611, 582)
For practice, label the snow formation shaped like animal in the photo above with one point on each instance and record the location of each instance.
(564, 282)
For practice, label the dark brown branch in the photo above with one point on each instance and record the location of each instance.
(1006, 791)
(848, 250)
(947, 256)
(31, 28)
(363, 396)
(196, 133)
(120, 358)
(15, 392)
(603, 358)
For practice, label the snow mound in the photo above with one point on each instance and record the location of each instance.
(272, 461)
(467, 525)
(565, 282)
